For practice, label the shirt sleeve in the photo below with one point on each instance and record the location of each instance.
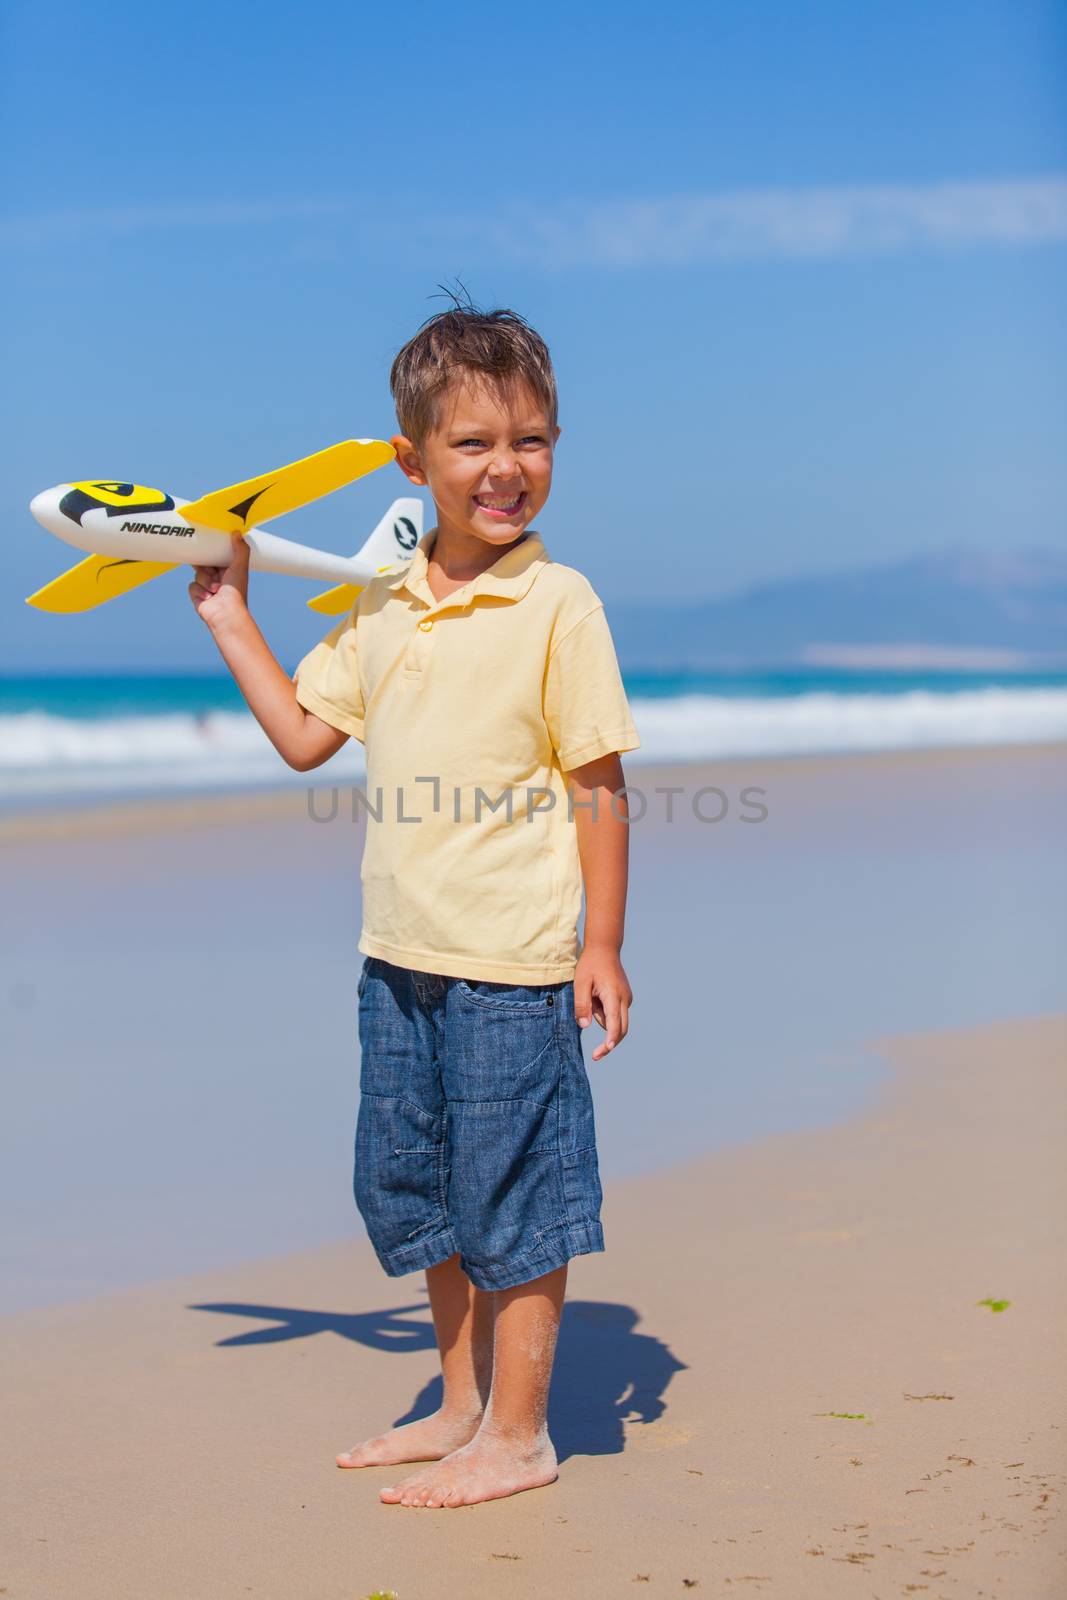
(585, 704)
(327, 679)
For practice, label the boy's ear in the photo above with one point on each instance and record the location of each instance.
(408, 459)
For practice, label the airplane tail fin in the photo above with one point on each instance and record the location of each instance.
(391, 544)
(389, 548)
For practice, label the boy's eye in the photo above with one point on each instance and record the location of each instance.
(537, 439)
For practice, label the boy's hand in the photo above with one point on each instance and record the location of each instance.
(219, 593)
(602, 990)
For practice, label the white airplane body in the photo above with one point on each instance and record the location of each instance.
(168, 536)
(134, 533)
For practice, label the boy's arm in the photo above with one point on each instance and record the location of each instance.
(601, 988)
(220, 595)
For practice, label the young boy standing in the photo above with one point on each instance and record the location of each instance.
(483, 683)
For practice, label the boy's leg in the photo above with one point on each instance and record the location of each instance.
(511, 1450)
(462, 1319)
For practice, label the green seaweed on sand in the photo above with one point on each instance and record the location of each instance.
(383, 1594)
(847, 1416)
(994, 1305)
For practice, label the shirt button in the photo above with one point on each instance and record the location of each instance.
(426, 626)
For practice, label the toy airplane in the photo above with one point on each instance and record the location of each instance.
(134, 534)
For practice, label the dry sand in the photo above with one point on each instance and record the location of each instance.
(777, 1380)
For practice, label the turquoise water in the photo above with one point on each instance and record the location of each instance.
(70, 738)
(88, 695)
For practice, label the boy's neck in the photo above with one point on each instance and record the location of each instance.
(461, 556)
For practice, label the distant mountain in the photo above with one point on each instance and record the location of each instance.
(956, 609)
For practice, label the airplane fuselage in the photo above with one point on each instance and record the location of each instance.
(149, 527)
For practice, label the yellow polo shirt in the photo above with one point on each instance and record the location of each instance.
(472, 709)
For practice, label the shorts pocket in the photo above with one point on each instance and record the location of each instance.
(363, 976)
(534, 997)
(577, 1132)
(400, 1173)
(500, 1050)
(507, 1180)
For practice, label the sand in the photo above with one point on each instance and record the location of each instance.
(778, 1380)
(177, 1002)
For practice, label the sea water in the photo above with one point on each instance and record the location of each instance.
(67, 739)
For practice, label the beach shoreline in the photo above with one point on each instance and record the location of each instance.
(167, 809)
(780, 1369)
(180, 990)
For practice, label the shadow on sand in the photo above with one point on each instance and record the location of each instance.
(605, 1373)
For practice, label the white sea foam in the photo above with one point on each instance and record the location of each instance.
(44, 754)
(693, 726)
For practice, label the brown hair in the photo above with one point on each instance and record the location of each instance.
(498, 346)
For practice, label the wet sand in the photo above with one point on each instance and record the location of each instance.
(177, 1005)
(777, 1380)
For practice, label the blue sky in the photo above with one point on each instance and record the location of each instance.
(801, 267)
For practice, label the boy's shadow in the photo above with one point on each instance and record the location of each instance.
(605, 1372)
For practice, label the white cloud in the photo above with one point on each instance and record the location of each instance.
(819, 223)
(799, 224)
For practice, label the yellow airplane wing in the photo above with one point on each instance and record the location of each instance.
(95, 580)
(336, 601)
(246, 505)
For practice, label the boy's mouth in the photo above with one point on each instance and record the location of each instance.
(500, 506)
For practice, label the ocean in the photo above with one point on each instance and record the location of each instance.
(73, 738)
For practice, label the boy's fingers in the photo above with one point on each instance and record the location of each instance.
(239, 553)
(235, 574)
(613, 1026)
(583, 1001)
(209, 578)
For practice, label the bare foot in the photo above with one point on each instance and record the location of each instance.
(426, 1440)
(485, 1469)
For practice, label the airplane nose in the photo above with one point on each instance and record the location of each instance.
(45, 506)
(42, 503)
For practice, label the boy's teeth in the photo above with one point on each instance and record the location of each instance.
(494, 502)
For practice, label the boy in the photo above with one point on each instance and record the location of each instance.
(483, 682)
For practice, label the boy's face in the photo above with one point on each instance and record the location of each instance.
(487, 461)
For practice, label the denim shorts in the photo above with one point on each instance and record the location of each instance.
(475, 1132)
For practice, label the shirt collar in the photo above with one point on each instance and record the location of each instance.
(509, 578)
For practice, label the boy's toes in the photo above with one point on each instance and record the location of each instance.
(408, 1492)
(359, 1456)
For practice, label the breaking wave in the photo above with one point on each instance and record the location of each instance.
(44, 754)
